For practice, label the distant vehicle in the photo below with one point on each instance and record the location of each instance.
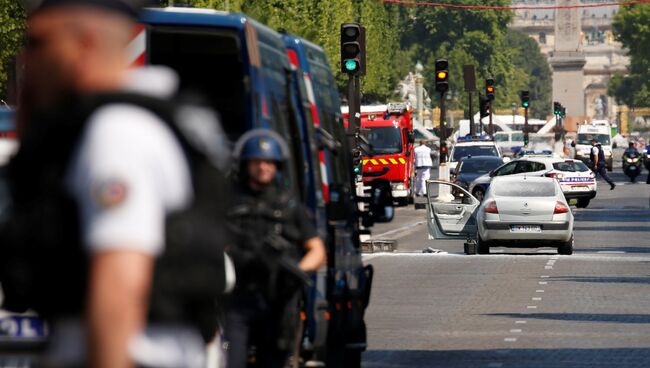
(602, 133)
(510, 142)
(470, 168)
(575, 178)
(632, 162)
(8, 141)
(473, 146)
(518, 212)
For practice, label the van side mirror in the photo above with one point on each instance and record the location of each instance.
(411, 137)
(573, 144)
(381, 201)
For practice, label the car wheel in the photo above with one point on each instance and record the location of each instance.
(478, 194)
(482, 247)
(583, 202)
(566, 248)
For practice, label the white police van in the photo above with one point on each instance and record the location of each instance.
(602, 132)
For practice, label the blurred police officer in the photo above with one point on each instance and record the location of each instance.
(423, 165)
(278, 244)
(100, 176)
(598, 162)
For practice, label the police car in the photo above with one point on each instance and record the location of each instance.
(473, 146)
(575, 178)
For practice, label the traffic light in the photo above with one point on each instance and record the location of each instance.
(442, 75)
(489, 88)
(443, 152)
(557, 108)
(525, 99)
(353, 49)
(526, 140)
(357, 162)
(484, 106)
(563, 114)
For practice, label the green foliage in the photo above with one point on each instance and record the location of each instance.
(632, 29)
(12, 27)
(529, 59)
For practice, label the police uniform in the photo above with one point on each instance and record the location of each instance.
(597, 151)
(423, 164)
(272, 227)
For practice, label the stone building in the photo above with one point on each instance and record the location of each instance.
(603, 56)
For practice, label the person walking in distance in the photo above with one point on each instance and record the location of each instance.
(423, 165)
(598, 162)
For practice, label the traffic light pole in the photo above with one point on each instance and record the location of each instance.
(443, 129)
(526, 124)
(472, 126)
(490, 126)
(354, 103)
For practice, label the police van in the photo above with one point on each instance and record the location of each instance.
(602, 132)
(257, 78)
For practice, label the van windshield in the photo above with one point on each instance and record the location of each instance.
(585, 138)
(385, 140)
(501, 137)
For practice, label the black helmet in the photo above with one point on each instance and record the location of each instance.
(261, 144)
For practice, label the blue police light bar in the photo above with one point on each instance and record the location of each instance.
(480, 138)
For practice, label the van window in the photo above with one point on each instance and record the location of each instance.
(502, 137)
(210, 63)
(585, 138)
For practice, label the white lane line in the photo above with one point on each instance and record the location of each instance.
(496, 250)
(510, 339)
(531, 307)
(610, 252)
(539, 291)
(515, 330)
(398, 230)
(548, 267)
(520, 322)
(544, 276)
(551, 262)
(537, 299)
(543, 282)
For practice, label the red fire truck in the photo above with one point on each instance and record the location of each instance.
(389, 131)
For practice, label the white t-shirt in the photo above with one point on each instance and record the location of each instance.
(129, 172)
(423, 156)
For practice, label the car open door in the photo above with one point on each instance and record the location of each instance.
(450, 211)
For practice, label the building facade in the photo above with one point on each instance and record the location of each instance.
(604, 56)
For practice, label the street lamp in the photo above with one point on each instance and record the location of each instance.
(514, 112)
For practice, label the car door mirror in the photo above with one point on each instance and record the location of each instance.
(381, 201)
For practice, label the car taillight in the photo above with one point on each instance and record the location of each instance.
(560, 208)
(491, 207)
(553, 175)
(592, 175)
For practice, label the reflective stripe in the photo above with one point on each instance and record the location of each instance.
(383, 161)
(393, 161)
(401, 160)
(137, 47)
(365, 161)
(374, 162)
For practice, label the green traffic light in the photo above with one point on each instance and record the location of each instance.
(357, 170)
(525, 104)
(351, 65)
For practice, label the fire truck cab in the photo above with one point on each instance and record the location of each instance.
(390, 133)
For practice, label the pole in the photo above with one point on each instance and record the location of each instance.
(472, 127)
(491, 127)
(443, 128)
(526, 123)
(354, 115)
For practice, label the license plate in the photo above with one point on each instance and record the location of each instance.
(525, 229)
(22, 327)
(580, 189)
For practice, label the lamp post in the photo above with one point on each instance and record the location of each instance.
(514, 112)
(419, 92)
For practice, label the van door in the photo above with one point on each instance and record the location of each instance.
(450, 211)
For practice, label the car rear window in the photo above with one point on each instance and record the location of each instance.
(524, 189)
(572, 166)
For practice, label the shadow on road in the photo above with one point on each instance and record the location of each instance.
(613, 215)
(640, 249)
(520, 358)
(605, 279)
(613, 228)
(581, 317)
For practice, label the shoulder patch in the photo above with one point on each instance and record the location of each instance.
(110, 193)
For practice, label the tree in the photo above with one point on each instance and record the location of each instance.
(530, 59)
(12, 28)
(631, 29)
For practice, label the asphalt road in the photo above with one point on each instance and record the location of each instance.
(517, 307)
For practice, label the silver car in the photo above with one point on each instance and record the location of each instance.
(521, 212)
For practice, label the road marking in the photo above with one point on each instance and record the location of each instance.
(544, 277)
(531, 307)
(543, 283)
(398, 230)
(496, 250)
(610, 252)
(537, 299)
(539, 291)
(548, 267)
(520, 322)
(515, 330)
(510, 339)
(551, 262)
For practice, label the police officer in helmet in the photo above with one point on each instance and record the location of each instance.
(598, 162)
(277, 246)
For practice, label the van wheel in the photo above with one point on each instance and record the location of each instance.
(478, 194)
(482, 247)
(566, 248)
(583, 202)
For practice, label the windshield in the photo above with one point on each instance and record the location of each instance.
(501, 137)
(525, 189)
(585, 138)
(572, 166)
(385, 140)
(517, 137)
(478, 166)
(465, 151)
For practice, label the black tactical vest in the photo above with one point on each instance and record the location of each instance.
(43, 265)
(601, 155)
